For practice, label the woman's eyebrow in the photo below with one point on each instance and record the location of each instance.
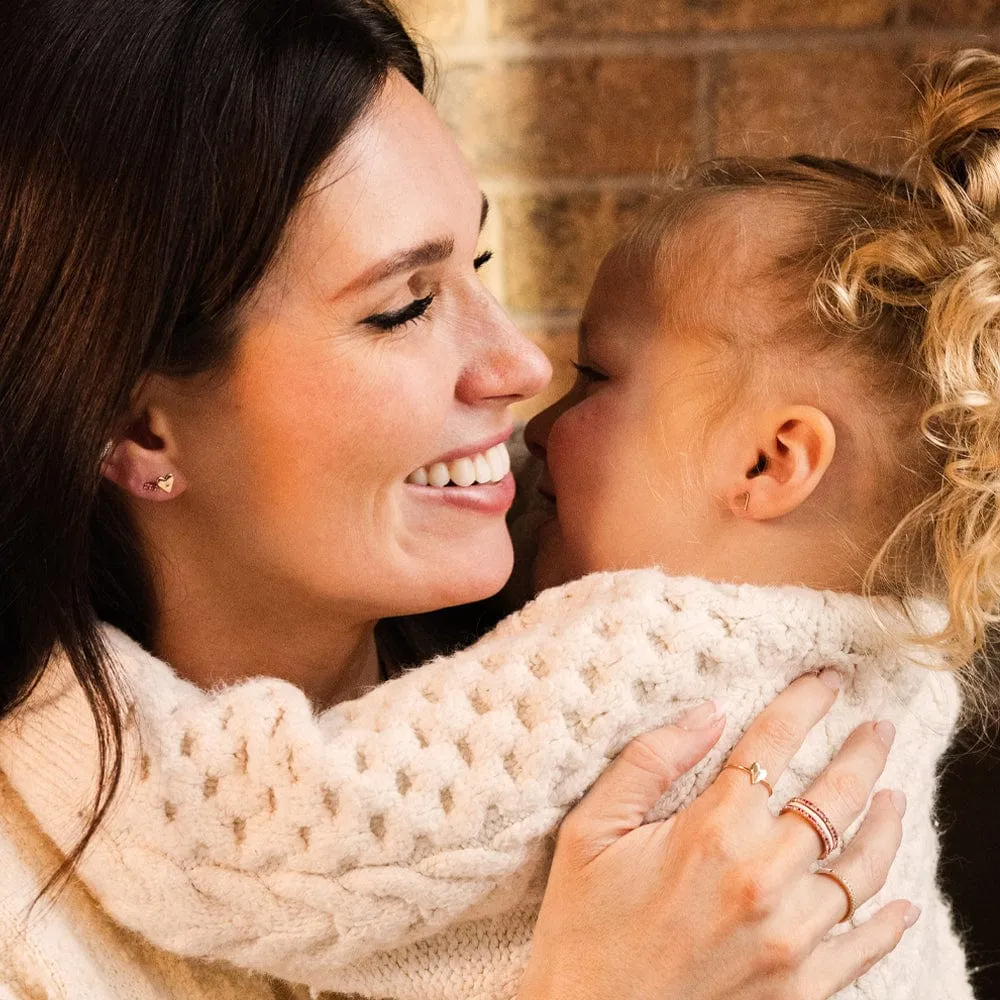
(427, 253)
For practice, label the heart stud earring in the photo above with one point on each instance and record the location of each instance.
(165, 483)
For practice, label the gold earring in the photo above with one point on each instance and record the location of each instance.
(165, 483)
(746, 500)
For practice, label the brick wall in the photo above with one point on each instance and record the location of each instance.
(570, 109)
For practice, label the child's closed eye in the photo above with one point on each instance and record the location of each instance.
(589, 374)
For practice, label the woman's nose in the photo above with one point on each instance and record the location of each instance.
(507, 367)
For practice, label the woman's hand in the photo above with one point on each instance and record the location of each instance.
(717, 903)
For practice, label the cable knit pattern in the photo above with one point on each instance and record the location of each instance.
(397, 845)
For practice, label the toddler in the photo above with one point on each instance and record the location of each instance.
(787, 400)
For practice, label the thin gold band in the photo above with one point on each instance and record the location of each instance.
(758, 776)
(852, 903)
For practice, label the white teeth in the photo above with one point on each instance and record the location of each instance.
(494, 458)
(483, 472)
(487, 467)
(463, 472)
(437, 474)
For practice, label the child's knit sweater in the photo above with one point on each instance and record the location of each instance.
(397, 845)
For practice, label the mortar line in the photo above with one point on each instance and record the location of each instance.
(501, 186)
(721, 43)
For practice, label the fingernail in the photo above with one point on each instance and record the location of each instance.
(702, 716)
(886, 732)
(831, 679)
(899, 801)
(910, 917)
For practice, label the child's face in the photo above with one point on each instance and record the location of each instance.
(625, 448)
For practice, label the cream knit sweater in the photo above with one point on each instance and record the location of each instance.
(397, 845)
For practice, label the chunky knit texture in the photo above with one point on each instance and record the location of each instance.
(397, 845)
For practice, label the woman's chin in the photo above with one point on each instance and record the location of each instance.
(464, 581)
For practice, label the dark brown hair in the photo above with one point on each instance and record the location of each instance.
(151, 154)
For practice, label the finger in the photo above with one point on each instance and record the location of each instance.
(837, 963)
(841, 791)
(820, 902)
(777, 733)
(618, 801)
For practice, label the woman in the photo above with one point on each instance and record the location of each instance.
(240, 247)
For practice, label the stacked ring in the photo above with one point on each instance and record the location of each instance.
(852, 903)
(818, 820)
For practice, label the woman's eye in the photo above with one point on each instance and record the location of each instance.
(484, 258)
(393, 320)
(589, 374)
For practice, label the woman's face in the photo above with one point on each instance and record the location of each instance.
(372, 355)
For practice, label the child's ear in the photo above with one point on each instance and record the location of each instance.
(793, 448)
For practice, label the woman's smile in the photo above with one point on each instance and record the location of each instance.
(475, 477)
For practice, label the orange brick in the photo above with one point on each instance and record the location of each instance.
(554, 244)
(560, 346)
(530, 19)
(577, 118)
(951, 13)
(844, 103)
(436, 20)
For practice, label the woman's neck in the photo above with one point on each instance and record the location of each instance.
(211, 644)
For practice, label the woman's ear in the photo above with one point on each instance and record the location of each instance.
(794, 447)
(138, 461)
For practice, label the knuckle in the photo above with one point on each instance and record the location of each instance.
(870, 952)
(716, 841)
(780, 736)
(571, 836)
(874, 870)
(850, 793)
(753, 895)
(646, 754)
(781, 954)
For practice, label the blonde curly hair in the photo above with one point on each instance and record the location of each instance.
(902, 271)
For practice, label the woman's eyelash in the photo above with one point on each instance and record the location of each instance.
(417, 308)
(392, 320)
(589, 374)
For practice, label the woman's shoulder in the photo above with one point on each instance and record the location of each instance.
(67, 948)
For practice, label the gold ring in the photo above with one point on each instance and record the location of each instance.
(817, 819)
(852, 903)
(758, 775)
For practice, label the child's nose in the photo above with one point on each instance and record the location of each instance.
(536, 432)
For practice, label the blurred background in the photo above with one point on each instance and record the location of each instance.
(570, 111)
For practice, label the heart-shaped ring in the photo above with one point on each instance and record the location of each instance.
(758, 775)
